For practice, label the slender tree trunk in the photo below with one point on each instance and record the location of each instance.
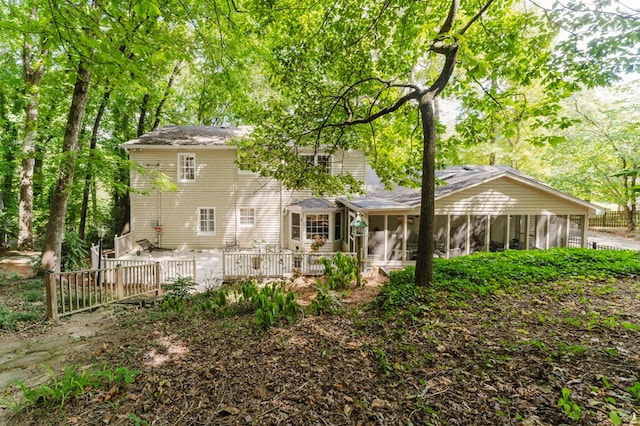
(52, 251)
(33, 74)
(156, 121)
(88, 177)
(143, 115)
(426, 244)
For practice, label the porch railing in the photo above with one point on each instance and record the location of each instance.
(77, 291)
(123, 244)
(237, 265)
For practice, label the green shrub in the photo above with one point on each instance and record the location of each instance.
(324, 302)
(340, 271)
(274, 306)
(180, 291)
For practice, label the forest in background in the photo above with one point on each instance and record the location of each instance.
(77, 80)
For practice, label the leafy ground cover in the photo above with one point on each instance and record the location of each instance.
(546, 337)
(22, 301)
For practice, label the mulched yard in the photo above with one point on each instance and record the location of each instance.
(500, 359)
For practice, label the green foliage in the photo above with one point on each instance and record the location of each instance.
(570, 408)
(73, 384)
(635, 390)
(180, 291)
(340, 271)
(484, 273)
(274, 306)
(324, 302)
(400, 291)
(74, 252)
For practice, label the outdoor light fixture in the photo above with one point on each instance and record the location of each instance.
(358, 224)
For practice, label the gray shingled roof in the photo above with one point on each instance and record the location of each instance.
(314, 203)
(188, 136)
(456, 178)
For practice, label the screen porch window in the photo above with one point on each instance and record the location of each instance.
(317, 226)
(295, 226)
(206, 220)
(247, 216)
(337, 227)
(186, 167)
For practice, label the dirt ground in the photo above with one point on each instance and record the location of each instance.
(504, 359)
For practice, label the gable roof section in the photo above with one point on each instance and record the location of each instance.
(457, 179)
(188, 136)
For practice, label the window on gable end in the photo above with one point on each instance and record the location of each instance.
(186, 167)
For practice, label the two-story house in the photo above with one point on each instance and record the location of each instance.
(189, 194)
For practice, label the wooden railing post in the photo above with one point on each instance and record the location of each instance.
(52, 299)
(157, 278)
(119, 273)
(193, 269)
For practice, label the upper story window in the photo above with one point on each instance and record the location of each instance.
(186, 167)
(319, 160)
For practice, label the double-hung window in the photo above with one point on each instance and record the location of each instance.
(247, 216)
(322, 161)
(206, 221)
(186, 167)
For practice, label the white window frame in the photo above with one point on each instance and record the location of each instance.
(200, 219)
(305, 227)
(313, 159)
(299, 226)
(242, 217)
(183, 167)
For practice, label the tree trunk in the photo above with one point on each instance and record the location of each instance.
(88, 177)
(426, 244)
(33, 78)
(52, 251)
(156, 121)
(143, 115)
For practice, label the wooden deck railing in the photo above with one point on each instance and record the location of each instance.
(77, 291)
(237, 265)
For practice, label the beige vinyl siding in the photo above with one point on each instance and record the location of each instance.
(219, 185)
(343, 162)
(506, 196)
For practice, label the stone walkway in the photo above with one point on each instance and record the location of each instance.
(24, 358)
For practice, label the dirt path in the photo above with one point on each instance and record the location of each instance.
(25, 356)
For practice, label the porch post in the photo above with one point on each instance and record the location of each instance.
(585, 221)
(526, 235)
(404, 238)
(468, 236)
(546, 231)
(386, 237)
(447, 238)
(507, 244)
(158, 281)
(487, 237)
(566, 232)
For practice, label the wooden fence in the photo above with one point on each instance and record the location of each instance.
(77, 291)
(237, 265)
(612, 219)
